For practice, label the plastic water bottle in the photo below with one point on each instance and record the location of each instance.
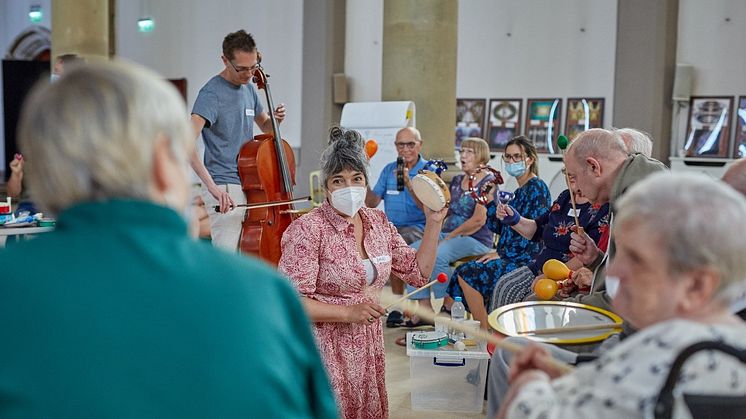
(458, 313)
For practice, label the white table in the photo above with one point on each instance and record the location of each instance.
(21, 231)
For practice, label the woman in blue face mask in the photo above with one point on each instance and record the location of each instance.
(475, 280)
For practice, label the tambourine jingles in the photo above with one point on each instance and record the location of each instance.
(480, 194)
(431, 190)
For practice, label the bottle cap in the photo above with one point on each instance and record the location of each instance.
(457, 299)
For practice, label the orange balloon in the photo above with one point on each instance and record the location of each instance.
(556, 270)
(371, 147)
(545, 288)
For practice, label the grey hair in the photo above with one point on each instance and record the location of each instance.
(697, 219)
(635, 140)
(91, 136)
(598, 143)
(346, 151)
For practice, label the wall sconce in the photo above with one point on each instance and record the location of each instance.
(35, 14)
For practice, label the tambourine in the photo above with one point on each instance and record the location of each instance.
(529, 318)
(437, 166)
(431, 190)
(480, 194)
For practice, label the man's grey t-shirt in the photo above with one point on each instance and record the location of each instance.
(229, 112)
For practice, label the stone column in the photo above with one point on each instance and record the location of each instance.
(80, 27)
(645, 68)
(419, 64)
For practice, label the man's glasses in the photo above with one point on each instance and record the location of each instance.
(507, 158)
(402, 146)
(244, 69)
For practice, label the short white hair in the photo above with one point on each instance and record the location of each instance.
(91, 135)
(599, 143)
(635, 140)
(697, 218)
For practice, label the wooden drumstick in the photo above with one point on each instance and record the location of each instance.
(481, 334)
(562, 142)
(442, 278)
(569, 329)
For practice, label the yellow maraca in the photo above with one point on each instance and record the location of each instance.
(545, 288)
(556, 270)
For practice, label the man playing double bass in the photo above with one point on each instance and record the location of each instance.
(224, 113)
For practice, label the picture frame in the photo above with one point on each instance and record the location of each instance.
(469, 119)
(583, 114)
(708, 127)
(542, 126)
(504, 122)
(740, 137)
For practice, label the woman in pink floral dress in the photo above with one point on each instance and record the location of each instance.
(339, 256)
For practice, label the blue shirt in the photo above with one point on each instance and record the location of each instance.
(399, 206)
(229, 113)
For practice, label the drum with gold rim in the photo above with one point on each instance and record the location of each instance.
(430, 189)
(530, 319)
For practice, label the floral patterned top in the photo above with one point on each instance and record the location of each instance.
(553, 228)
(462, 207)
(625, 381)
(320, 257)
(532, 200)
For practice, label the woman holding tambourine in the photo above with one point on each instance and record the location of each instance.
(475, 280)
(464, 232)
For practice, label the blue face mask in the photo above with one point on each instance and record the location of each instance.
(516, 169)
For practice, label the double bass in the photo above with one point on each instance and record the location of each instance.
(266, 167)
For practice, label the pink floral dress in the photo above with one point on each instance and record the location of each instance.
(320, 257)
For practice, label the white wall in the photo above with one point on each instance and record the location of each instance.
(714, 47)
(188, 36)
(14, 19)
(546, 55)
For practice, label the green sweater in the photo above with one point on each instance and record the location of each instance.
(119, 314)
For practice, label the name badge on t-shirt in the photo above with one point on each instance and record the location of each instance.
(249, 112)
(381, 259)
(392, 192)
(573, 213)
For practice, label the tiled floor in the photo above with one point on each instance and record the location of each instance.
(397, 377)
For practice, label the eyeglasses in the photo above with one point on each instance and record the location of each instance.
(244, 69)
(402, 146)
(569, 176)
(507, 158)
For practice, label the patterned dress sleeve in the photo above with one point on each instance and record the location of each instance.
(539, 200)
(300, 256)
(492, 222)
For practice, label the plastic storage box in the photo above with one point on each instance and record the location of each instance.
(447, 380)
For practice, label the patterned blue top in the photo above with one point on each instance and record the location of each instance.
(553, 228)
(462, 208)
(399, 206)
(532, 200)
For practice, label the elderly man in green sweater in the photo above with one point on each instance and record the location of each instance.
(118, 313)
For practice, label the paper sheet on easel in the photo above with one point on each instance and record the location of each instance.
(379, 121)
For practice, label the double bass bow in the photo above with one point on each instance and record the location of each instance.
(266, 167)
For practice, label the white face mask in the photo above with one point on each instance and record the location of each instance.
(349, 200)
(612, 286)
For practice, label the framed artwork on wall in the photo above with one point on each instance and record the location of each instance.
(708, 127)
(740, 151)
(504, 118)
(543, 123)
(583, 114)
(469, 119)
